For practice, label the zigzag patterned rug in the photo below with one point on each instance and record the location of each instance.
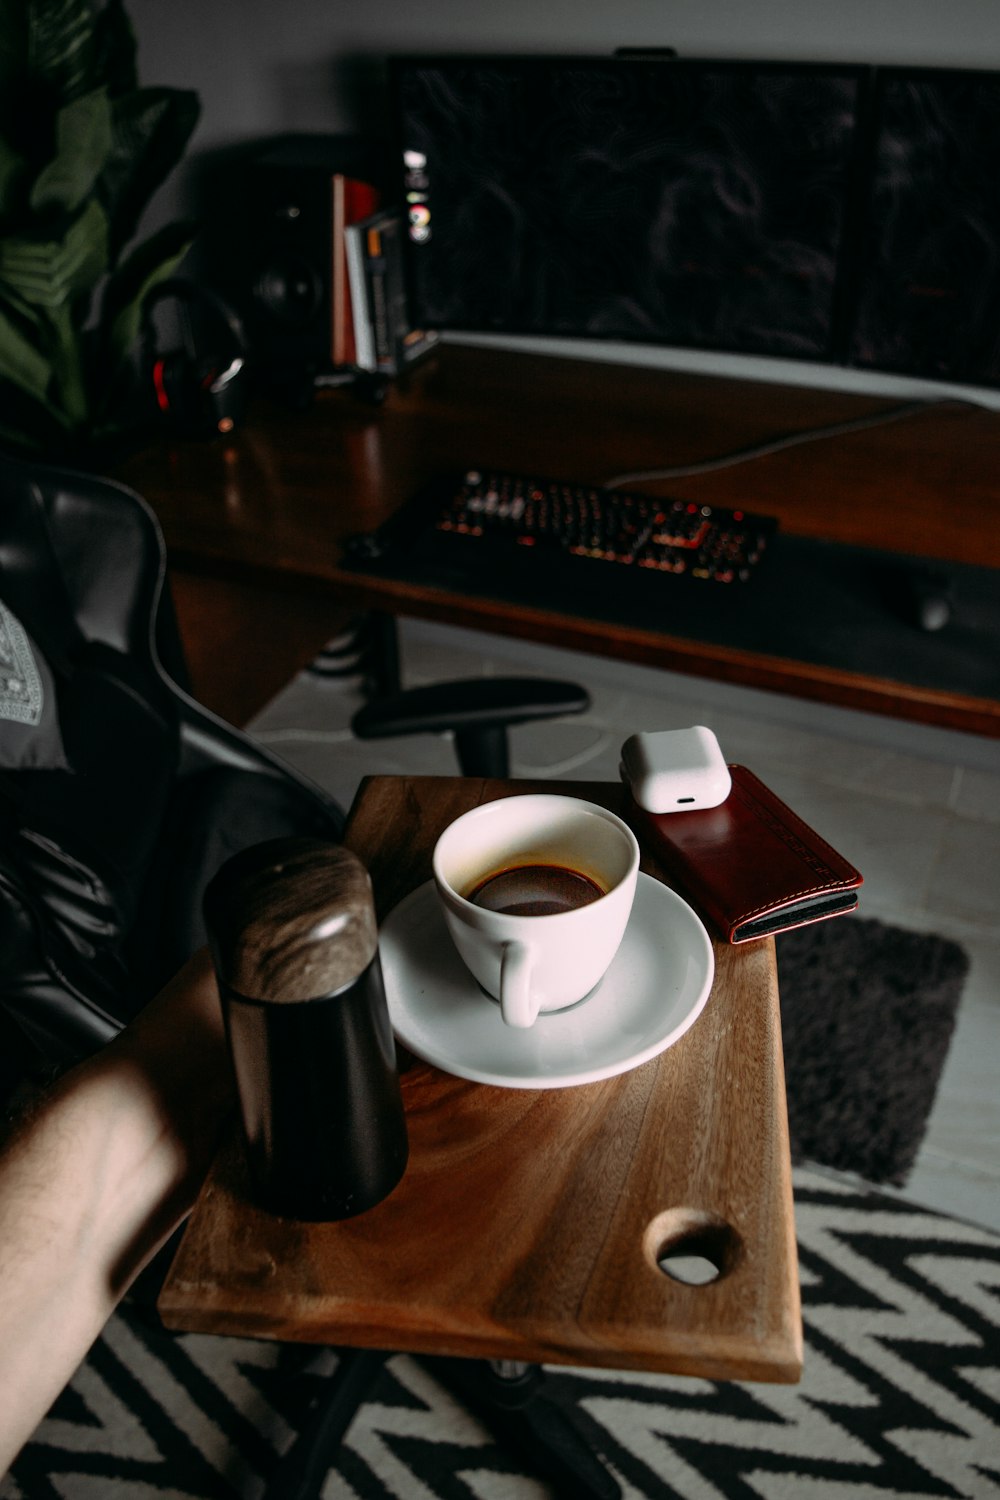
(901, 1396)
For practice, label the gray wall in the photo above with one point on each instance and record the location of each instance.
(262, 66)
(268, 66)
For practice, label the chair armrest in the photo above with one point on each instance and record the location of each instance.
(469, 703)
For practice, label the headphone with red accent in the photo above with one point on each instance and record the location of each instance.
(200, 387)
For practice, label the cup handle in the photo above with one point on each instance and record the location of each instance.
(516, 1004)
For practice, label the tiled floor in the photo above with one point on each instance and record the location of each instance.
(917, 810)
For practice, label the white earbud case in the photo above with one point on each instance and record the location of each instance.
(675, 770)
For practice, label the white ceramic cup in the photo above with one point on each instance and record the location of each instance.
(537, 964)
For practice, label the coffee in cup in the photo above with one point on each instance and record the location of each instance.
(536, 892)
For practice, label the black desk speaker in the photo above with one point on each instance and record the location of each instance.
(274, 250)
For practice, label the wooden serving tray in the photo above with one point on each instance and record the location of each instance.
(529, 1223)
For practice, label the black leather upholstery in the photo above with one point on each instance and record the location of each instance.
(103, 858)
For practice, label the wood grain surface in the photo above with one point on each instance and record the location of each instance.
(529, 1223)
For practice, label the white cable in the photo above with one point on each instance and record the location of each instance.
(776, 445)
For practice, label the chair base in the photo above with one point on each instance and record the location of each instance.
(509, 1398)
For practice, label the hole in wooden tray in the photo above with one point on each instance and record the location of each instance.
(692, 1246)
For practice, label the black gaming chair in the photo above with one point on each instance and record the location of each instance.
(119, 794)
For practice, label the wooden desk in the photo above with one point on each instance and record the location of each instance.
(528, 1222)
(261, 520)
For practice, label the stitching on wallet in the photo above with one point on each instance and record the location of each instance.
(787, 834)
(792, 841)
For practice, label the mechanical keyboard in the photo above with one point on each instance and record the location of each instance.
(490, 519)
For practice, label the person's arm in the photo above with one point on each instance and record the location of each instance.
(94, 1181)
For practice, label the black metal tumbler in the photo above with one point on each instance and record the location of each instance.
(294, 939)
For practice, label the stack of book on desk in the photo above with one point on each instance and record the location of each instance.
(384, 341)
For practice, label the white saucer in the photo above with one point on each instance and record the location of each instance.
(653, 992)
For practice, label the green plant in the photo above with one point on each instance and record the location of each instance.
(82, 150)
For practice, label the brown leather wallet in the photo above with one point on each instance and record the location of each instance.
(750, 866)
